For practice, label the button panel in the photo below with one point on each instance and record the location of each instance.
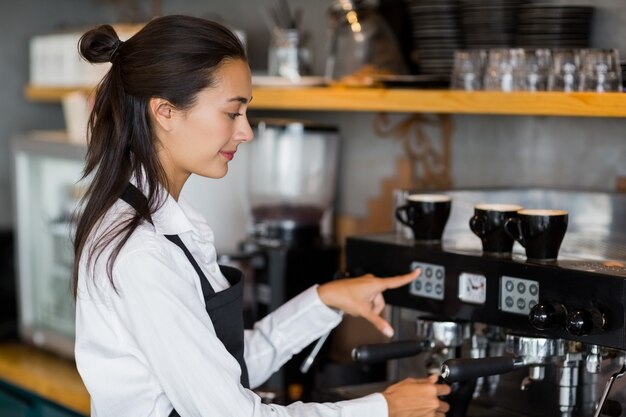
(431, 283)
(518, 295)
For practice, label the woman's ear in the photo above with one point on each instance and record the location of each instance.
(162, 112)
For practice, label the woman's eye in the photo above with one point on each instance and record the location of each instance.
(233, 116)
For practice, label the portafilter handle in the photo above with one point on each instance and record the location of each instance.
(380, 352)
(456, 370)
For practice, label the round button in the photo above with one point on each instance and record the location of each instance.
(429, 272)
(580, 323)
(418, 285)
(509, 286)
(533, 289)
(584, 322)
(509, 301)
(438, 289)
(521, 288)
(546, 316)
(428, 287)
(439, 274)
(521, 303)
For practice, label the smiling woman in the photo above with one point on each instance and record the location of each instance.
(201, 140)
(159, 324)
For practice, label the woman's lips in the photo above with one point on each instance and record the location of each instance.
(228, 155)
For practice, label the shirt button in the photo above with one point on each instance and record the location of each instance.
(213, 269)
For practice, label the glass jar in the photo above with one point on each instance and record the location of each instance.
(287, 56)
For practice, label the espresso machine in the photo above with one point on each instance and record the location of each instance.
(290, 247)
(538, 338)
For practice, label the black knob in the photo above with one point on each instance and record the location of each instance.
(585, 322)
(547, 316)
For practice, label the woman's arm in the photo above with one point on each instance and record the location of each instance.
(285, 332)
(175, 338)
(293, 326)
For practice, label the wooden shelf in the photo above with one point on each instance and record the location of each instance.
(44, 374)
(414, 101)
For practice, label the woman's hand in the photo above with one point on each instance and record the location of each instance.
(417, 398)
(363, 296)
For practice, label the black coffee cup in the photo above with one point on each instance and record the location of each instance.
(540, 232)
(488, 224)
(426, 215)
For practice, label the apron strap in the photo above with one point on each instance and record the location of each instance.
(138, 201)
(206, 286)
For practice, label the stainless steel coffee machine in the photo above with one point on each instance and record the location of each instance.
(539, 338)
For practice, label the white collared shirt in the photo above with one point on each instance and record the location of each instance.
(148, 345)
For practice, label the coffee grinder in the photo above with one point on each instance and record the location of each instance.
(290, 247)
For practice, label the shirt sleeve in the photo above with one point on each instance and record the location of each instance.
(171, 329)
(285, 332)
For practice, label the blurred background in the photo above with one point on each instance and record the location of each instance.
(482, 151)
(556, 141)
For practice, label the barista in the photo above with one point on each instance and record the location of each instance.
(159, 324)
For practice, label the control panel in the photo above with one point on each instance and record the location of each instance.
(431, 283)
(518, 295)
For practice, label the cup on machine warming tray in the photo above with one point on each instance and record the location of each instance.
(540, 232)
(488, 224)
(426, 215)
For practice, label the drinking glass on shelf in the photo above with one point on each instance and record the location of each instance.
(565, 73)
(287, 57)
(601, 71)
(505, 70)
(538, 62)
(467, 72)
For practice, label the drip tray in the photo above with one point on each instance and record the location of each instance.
(350, 392)
(478, 410)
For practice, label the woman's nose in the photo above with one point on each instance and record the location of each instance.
(246, 134)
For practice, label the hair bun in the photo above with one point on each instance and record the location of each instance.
(100, 44)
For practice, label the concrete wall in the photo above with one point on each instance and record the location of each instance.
(487, 151)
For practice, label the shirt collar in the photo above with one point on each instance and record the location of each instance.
(170, 218)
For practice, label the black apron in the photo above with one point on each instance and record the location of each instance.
(225, 308)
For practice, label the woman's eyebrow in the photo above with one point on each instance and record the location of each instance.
(240, 99)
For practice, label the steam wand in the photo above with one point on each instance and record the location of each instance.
(609, 384)
(306, 365)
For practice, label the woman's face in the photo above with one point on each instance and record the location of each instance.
(205, 137)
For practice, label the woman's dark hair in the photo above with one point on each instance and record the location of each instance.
(171, 57)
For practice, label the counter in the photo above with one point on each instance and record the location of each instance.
(44, 374)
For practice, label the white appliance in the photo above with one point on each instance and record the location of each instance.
(46, 170)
